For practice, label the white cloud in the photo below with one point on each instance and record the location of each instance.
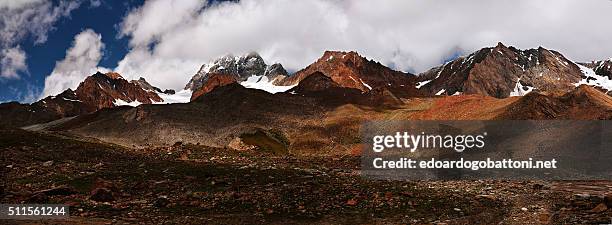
(33, 18)
(29, 95)
(12, 61)
(22, 19)
(147, 23)
(81, 61)
(17, 4)
(159, 70)
(409, 35)
(95, 3)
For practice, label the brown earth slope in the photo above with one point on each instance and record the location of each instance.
(310, 121)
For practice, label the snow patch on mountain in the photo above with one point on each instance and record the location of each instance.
(422, 83)
(119, 102)
(520, 90)
(366, 85)
(593, 79)
(72, 100)
(263, 83)
(183, 96)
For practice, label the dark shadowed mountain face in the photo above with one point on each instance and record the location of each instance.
(330, 93)
(51, 108)
(242, 67)
(275, 70)
(316, 81)
(350, 70)
(213, 119)
(502, 72)
(604, 68)
(218, 117)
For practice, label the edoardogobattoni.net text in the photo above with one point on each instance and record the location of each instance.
(405, 163)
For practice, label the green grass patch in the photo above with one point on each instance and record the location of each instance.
(272, 141)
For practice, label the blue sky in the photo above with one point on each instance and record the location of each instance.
(167, 41)
(41, 58)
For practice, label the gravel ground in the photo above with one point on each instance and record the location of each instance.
(192, 184)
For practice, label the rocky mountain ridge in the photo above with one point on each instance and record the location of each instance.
(111, 89)
(502, 72)
(148, 87)
(334, 79)
(96, 92)
(351, 70)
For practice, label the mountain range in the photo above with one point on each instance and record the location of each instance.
(320, 108)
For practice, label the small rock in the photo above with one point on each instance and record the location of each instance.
(583, 196)
(489, 197)
(101, 183)
(407, 194)
(600, 208)
(61, 190)
(351, 202)
(388, 195)
(9, 166)
(524, 209)
(38, 198)
(544, 217)
(102, 195)
(48, 163)
(608, 200)
(538, 186)
(72, 203)
(457, 209)
(161, 201)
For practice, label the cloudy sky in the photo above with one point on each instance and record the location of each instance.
(48, 46)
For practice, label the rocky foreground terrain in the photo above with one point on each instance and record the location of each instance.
(192, 184)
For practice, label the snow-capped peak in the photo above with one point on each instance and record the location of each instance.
(243, 67)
